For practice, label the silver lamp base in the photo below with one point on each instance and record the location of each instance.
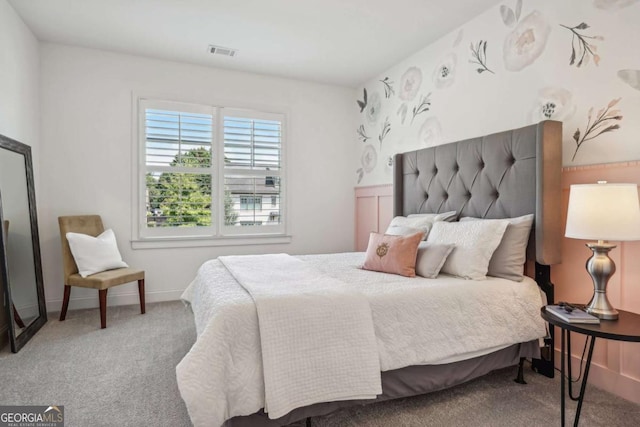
(601, 268)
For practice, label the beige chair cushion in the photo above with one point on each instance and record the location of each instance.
(106, 279)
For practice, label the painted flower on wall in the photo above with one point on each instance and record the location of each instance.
(384, 131)
(510, 16)
(630, 77)
(362, 134)
(445, 73)
(410, 83)
(373, 108)
(423, 106)
(363, 104)
(369, 158)
(458, 38)
(387, 83)
(479, 56)
(582, 47)
(553, 103)
(526, 42)
(430, 132)
(613, 4)
(402, 112)
(602, 122)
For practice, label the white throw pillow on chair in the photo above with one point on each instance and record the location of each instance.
(95, 254)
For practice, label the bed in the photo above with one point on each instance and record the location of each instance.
(421, 345)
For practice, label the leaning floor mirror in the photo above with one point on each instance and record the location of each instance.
(23, 312)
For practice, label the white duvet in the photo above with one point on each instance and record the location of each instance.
(317, 338)
(417, 321)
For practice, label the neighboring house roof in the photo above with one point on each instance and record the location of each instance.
(247, 186)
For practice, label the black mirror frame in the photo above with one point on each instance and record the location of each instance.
(17, 342)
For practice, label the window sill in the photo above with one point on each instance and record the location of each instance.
(197, 242)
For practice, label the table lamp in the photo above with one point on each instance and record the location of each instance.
(603, 212)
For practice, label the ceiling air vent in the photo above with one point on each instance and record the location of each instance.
(224, 51)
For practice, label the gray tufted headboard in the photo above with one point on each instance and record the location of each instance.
(503, 175)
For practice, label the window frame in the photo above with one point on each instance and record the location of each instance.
(218, 234)
(253, 203)
(257, 230)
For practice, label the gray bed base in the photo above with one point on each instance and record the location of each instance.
(406, 382)
(503, 175)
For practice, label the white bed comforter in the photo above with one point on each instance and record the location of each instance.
(417, 321)
(317, 338)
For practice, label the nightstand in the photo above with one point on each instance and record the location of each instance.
(626, 328)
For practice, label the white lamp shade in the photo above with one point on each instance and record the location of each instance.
(603, 212)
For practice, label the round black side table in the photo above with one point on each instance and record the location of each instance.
(626, 328)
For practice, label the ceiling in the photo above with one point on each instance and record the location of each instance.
(343, 42)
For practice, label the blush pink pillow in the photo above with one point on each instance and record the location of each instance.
(393, 254)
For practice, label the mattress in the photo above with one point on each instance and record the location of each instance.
(417, 321)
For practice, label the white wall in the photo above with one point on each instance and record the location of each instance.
(86, 160)
(19, 80)
(529, 64)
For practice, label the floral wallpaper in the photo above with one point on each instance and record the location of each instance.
(523, 61)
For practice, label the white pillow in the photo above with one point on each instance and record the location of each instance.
(475, 242)
(404, 226)
(431, 258)
(444, 216)
(508, 259)
(95, 254)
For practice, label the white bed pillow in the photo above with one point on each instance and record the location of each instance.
(475, 242)
(444, 216)
(431, 258)
(95, 254)
(509, 257)
(404, 226)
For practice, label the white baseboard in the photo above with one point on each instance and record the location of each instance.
(116, 299)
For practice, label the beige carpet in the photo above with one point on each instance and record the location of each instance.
(125, 376)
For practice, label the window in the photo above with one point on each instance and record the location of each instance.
(251, 203)
(204, 171)
(253, 167)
